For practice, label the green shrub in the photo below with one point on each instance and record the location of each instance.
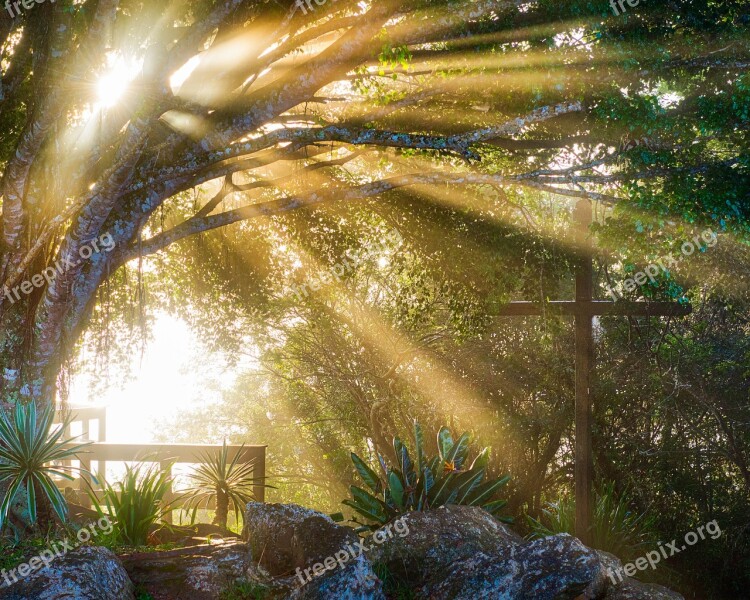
(228, 482)
(136, 502)
(27, 450)
(443, 479)
(615, 527)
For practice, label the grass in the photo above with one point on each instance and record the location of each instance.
(141, 593)
(394, 586)
(12, 555)
(245, 590)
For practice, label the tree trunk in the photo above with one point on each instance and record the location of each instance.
(222, 507)
(45, 515)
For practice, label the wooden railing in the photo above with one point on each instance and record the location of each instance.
(85, 415)
(166, 455)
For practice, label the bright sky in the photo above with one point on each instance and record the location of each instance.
(171, 377)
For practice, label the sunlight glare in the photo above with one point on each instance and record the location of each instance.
(115, 80)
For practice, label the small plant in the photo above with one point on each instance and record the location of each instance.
(615, 528)
(227, 482)
(28, 448)
(136, 502)
(245, 590)
(141, 593)
(443, 479)
(395, 586)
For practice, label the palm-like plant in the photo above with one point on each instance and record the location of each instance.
(444, 479)
(137, 502)
(28, 448)
(228, 482)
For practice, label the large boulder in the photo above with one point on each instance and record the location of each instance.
(462, 552)
(194, 573)
(554, 568)
(88, 572)
(299, 548)
(437, 539)
(607, 585)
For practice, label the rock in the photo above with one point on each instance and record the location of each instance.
(604, 587)
(438, 538)
(270, 529)
(630, 589)
(286, 540)
(558, 567)
(88, 572)
(195, 573)
(608, 563)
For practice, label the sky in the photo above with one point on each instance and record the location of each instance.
(171, 376)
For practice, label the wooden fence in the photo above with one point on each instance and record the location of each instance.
(102, 452)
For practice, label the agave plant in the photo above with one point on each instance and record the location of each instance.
(227, 482)
(28, 449)
(137, 502)
(424, 484)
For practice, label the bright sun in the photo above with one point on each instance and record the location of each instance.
(115, 80)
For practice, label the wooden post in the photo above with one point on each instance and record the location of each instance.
(103, 425)
(584, 308)
(259, 472)
(166, 467)
(584, 367)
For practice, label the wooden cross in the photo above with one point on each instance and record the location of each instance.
(583, 309)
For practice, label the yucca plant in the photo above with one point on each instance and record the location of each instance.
(229, 483)
(425, 484)
(28, 447)
(615, 528)
(136, 502)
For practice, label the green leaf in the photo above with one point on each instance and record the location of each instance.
(396, 488)
(444, 442)
(495, 507)
(457, 454)
(482, 459)
(367, 474)
(487, 490)
(419, 442)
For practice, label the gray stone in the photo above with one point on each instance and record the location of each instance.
(195, 573)
(557, 567)
(622, 587)
(630, 589)
(285, 540)
(86, 573)
(439, 538)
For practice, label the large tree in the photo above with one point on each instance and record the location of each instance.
(273, 99)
